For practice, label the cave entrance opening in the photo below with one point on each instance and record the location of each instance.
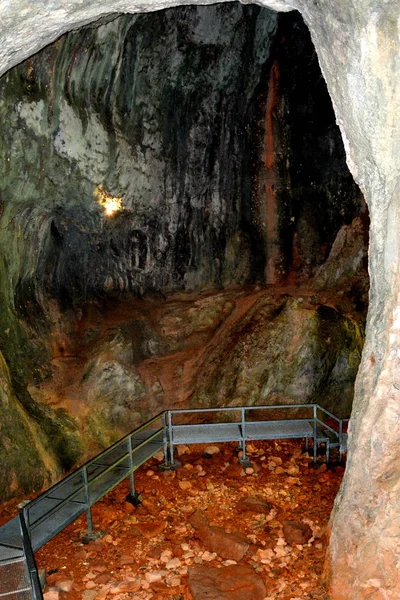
(179, 227)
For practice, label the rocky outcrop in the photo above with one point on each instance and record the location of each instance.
(282, 353)
(171, 117)
(357, 46)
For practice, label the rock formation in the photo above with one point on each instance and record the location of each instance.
(182, 144)
(358, 49)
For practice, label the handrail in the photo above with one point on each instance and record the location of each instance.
(238, 408)
(30, 559)
(167, 430)
(95, 458)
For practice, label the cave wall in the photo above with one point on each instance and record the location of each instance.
(358, 49)
(172, 112)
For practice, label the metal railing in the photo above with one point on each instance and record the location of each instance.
(246, 423)
(45, 516)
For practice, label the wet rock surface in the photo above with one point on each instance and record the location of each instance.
(267, 348)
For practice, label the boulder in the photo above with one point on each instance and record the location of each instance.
(283, 352)
(235, 582)
(296, 532)
(255, 505)
(227, 545)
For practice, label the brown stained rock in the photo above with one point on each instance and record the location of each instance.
(124, 587)
(150, 529)
(86, 595)
(211, 450)
(51, 595)
(198, 519)
(227, 545)
(255, 505)
(235, 582)
(234, 470)
(158, 587)
(151, 507)
(102, 578)
(126, 559)
(296, 532)
(59, 582)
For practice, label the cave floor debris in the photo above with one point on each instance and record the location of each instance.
(148, 552)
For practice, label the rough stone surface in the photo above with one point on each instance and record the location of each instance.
(283, 353)
(235, 582)
(227, 545)
(357, 46)
(191, 167)
(346, 260)
(255, 505)
(296, 532)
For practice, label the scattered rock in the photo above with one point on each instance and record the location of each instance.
(174, 563)
(234, 582)
(90, 585)
(124, 587)
(150, 529)
(211, 450)
(126, 560)
(185, 485)
(59, 582)
(296, 532)
(293, 470)
(51, 595)
(215, 539)
(254, 504)
(102, 579)
(86, 595)
(154, 576)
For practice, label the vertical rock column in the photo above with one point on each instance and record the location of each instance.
(361, 63)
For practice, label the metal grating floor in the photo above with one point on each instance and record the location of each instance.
(276, 430)
(53, 510)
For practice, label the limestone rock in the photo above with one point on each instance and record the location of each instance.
(215, 539)
(296, 532)
(150, 529)
(346, 261)
(254, 504)
(234, 582)
(284, 354)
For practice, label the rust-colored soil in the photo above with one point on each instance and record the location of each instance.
(146, 551)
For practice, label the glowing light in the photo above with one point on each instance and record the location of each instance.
(111, 204)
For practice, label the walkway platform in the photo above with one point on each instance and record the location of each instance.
(48, 514)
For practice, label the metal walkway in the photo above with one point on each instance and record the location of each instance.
(48, 514)
(249, 423)
(40, 520)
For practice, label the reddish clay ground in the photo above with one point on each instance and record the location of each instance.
(147, 550)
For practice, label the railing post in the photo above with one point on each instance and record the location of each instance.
(171, 438)
(87, 502)
(165, 438)
(131, 476)
(315, 432)
(171, 464)
(244, 460)
(27, 521)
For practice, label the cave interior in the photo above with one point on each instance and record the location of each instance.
(179, 228)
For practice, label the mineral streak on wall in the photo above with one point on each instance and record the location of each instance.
(164, 115)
